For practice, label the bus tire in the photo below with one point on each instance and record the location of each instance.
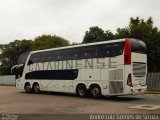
(95, 91)
(81, 90)
(27, 88)
(36, 88)
(113, 97)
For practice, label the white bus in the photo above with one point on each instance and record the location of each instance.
(113, 68)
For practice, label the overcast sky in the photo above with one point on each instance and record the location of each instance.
(27, 19)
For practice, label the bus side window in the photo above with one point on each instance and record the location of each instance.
(53, 56)
(34, 58)
(89, 52)
(116, 49)
(49, 57)
(104, 50)
(59, 55)
(73, 54)
(30, 62)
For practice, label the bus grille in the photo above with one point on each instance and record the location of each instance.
(139, 69)
(116, 87)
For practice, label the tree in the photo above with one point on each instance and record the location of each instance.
(75, 43)
(10, 53)
(145, 31)
(48, 41)
(96, 34)
(109, 35)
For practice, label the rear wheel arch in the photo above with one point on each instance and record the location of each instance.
(95, 90)
(36, 87)
(81, 90)
(35, 83)
(27, 87)
(27, 83)
(94, 84)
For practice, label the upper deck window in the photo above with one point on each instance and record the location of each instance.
(84, 52)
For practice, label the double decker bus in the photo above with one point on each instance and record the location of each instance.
(113, 68)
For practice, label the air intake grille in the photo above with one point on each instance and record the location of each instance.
(139, 69)
(116, 87)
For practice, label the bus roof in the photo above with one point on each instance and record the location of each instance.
(81, 45)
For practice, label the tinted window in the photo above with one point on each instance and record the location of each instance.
(34, 58)
(58, 55)
(104, 50)
(22, 59)
(48, 56)
(89, 52)
(110, 50)
(73, 54)
(138, 46)
(116, 49)
(53, 74)
(86, 52)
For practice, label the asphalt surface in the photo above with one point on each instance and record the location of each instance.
(14, 101)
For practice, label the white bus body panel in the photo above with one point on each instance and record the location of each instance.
(112, 78)
(139, 83)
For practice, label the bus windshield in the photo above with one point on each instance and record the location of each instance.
(138, 46)
(22, 59)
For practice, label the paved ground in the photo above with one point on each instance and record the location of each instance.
(17, 101)
(13, 100)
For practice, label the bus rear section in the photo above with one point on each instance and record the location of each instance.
(135, 64)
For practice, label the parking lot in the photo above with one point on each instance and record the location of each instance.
(17, 101)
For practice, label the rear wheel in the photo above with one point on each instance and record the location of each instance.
(27, 88)
(95, 91)
(81, 90)
(113, 97)
(36, 88)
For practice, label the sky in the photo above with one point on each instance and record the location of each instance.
(27, 19)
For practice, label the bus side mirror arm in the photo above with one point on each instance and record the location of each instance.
(14, 68)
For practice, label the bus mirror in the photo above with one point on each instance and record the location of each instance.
(30, 62)
(13, 70)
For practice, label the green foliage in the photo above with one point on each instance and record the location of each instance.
(96, 34)
(11, 52)
(75, 43)
(137, 28)
(145, 31)
(48, 41)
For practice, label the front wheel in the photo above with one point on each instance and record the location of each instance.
(95, 91)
